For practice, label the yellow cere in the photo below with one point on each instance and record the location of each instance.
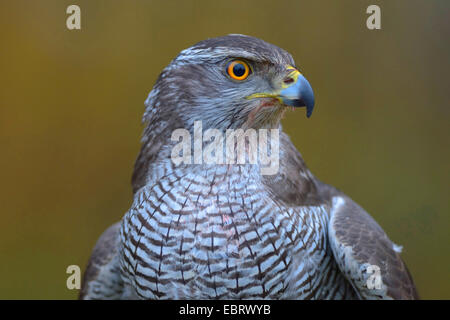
(294, 73)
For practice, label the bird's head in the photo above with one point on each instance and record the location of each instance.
(229, 82)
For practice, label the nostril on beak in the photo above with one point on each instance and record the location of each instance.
(288, 80)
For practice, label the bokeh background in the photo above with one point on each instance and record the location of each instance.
(72, 101)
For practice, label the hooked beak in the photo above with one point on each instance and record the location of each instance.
(295, 92)
(298, 93)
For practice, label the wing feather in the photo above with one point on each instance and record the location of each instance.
(102, 279)
(365, 254)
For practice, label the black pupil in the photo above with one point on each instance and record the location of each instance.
(239, 69)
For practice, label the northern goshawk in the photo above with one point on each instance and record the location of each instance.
(201, 230)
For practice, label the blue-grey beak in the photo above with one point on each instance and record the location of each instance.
(299, 94)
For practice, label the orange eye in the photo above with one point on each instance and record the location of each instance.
(238, 70)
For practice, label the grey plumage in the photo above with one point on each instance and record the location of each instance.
(201, 231)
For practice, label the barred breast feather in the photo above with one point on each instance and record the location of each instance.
(217, 233)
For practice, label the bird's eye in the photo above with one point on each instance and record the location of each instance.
(238, 70)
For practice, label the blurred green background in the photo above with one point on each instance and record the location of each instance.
(72, 101)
